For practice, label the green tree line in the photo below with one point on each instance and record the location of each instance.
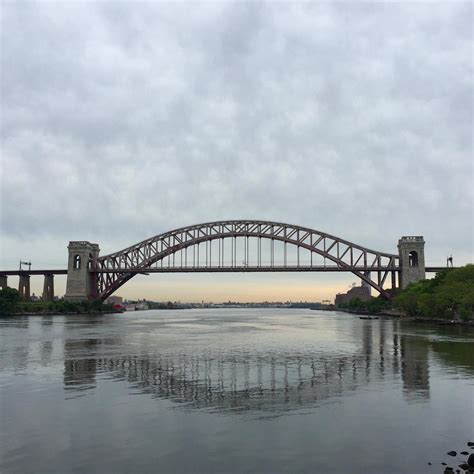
(373, 306)
(449, 295)
(10, 303)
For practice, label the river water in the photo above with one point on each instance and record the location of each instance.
(232, 390)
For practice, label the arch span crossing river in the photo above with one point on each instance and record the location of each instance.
(237, 246)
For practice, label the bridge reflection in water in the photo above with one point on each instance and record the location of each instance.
(268, 382)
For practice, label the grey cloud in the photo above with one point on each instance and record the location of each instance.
(123, 120)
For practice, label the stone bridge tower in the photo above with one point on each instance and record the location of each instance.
(412, 260)
(80, 285)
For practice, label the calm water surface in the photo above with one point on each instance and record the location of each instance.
(233, 390)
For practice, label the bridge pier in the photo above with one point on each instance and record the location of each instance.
(24, 286)
(411, 250)
(48, 287)
(365, 284)
(3, 282)
(80, 280)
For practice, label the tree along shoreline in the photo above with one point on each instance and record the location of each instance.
(12, 305)
(446, 298)
(55, 313)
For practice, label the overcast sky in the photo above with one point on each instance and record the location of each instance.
(120, 121)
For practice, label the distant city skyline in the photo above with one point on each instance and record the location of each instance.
(234, 287)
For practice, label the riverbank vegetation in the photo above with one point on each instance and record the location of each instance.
(9, 300)
(449, 295)
(373, 306)
(10, 303)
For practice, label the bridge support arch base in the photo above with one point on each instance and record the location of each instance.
(3, 281)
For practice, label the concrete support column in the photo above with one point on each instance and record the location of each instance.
(24, 287)
(3, 281)
(365, 284)
(48, 287)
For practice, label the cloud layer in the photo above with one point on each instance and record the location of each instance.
(123, 120)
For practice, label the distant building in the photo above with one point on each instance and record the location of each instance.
(115, 300)
(361, 292)
(142, 305)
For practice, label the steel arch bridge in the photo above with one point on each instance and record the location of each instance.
(180, 250)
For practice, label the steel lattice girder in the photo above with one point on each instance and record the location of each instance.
(142, 255)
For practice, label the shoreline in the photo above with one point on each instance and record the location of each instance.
(390, 314)
(387, 314)
(56, 313)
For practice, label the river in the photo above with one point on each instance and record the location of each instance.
(231, 391)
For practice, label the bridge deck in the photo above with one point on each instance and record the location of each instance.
(32, 272)
(216, 269)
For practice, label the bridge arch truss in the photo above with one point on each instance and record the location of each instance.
(110, 272)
